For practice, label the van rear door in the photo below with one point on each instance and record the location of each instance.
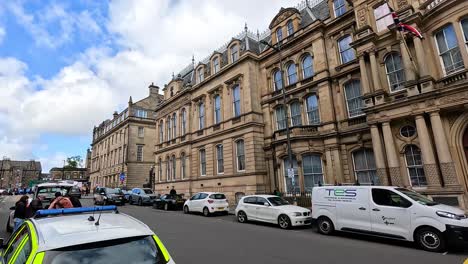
(353, 207)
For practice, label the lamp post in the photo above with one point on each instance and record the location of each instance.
(283, 92)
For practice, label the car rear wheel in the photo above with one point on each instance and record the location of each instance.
(206, 212)
(186, 210)
(430, 239)
(242, 217)
(166, 206)
(325, 226)
(284, 221)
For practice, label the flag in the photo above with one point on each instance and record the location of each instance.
(404, 27)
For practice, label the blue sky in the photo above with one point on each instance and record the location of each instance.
(65, 66)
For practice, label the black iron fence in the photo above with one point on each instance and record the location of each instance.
(303, 199)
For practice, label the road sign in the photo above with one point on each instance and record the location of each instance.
(122, 176)
(291, 173)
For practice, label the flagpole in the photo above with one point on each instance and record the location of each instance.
(409, 52)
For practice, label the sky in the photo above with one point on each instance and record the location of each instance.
(67, 65)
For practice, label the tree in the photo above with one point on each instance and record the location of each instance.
(74, 162)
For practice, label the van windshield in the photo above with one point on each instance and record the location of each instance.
(417, 197)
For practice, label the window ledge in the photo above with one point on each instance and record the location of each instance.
(341, 66)
(235, 120)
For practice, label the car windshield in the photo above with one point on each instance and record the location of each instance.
(417, 197)
(147, 191)
(218, 196)
(50, 191)
(128, 250)
(277, 201)
(114, 191)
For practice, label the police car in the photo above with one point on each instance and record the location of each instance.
(84, 235)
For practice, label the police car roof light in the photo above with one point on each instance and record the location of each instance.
(65, 211)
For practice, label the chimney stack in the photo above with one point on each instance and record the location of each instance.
(153, 90)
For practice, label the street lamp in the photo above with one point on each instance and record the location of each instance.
(288, 138)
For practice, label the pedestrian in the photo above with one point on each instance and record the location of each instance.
(20, 211)
(74, 200)
(34, 206)
(60, 202)
(277, 193)
(173, 191)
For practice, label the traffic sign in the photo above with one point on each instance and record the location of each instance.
(291, 173)
(122, 176)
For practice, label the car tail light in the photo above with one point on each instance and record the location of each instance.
(210, 201)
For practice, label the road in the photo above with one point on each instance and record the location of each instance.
(220, 239)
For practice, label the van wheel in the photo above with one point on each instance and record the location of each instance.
(430, 239)
(284, 221)
(325, 225)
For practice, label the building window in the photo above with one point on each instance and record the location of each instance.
(201, 116)
(236, 100)
(201, 75)
(184, 121)
(312, 110)
(139, 152)
(290, 187)
(202, 162)
(278, 80)
(313, 174)
(307, 66)
(395, 72)
(173, 159)
(141, 113)
(353, 98)
(347, 53)
(172, 91)
(169, 128)
(383, 17)
(240, 155)
(449, 51)
(234, 53)
(217, 109)
(339, 7)
(280, 118)
(290, 27)
(464, 25)
(279, 34)
(296, 117)
(219, 159)
(182, 166)
(407, 131)
(415, 166)
(168, 169)
(141, 132)
(160, 170)
(364, 167)
(292, 74)
(215, 65)
(174, 125)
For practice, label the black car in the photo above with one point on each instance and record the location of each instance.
(75, 192)
(107, 196)
(169, 202)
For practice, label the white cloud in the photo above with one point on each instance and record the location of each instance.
(2, 34)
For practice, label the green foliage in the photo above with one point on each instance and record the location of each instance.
(74, 162)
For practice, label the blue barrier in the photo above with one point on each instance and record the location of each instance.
(65, 211)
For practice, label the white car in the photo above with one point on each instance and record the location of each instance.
(272, 209)
(207, 203)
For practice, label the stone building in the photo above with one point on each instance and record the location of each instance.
(18, 174)
(364, 103)
(65, 173)
(125, 144)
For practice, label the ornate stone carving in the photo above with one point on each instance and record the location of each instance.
(362, 17)
(452, 117)
(432, 174)
(454, 98)
(395, 176)
(382, 174)
(449, 174)
(401, 3)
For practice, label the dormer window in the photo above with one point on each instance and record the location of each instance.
(290, 27)
(339, 7)
(201, 75)
(172, 91)
(216, 66)
(234, 53)
(279, 34)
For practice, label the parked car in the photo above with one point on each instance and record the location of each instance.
(126, 194)
(142, 196)
(75, 192)
(107, 196)
(169, 202)
(272, 209)
(391, 212)
(207, 203)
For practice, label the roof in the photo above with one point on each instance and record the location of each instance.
(25, 165)
(71, 230)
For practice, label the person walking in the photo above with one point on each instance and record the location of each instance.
(34, 206)
(60, 202)
(173, 191)
(20, 211)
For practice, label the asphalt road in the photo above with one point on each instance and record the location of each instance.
(220, 239)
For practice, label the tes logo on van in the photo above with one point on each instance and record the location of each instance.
(342, 192)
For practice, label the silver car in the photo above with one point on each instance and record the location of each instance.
(142, 196)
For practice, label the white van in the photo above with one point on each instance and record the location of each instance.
(391, 212)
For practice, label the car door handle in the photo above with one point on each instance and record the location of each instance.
(362, 208)
(376, 209)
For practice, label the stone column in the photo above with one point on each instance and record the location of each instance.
(420, 54)
(409, 68)
(375, 72)
(337, 164)
(445, 158)
(379, 156)
(328, 179)
(428, 158)
(364, 76)
(392, 157)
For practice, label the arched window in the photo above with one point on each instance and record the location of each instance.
(312, 167)
(364, 166)
(291, 185)
(240, 155)
(219, 159)
(184, 122)
(169, 126)
(161, 131)
(201, 116)
(172, 91)
(174, 125)
(217, 109)
(313, 116)
(173, 170)
(234, 53)
(415, 166)
(278, 80)
(339, 7)
(353, 98)
(201, 75)
(296, 117)
(347, 53)
(216, 66)
(236, 100)
(160, 169)
(280, 118)
(395, 72)
(292, 74)
(279, 34)
(202, 162)
(182, 165)
(290, 27)
(168, 169)
(307, 66)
